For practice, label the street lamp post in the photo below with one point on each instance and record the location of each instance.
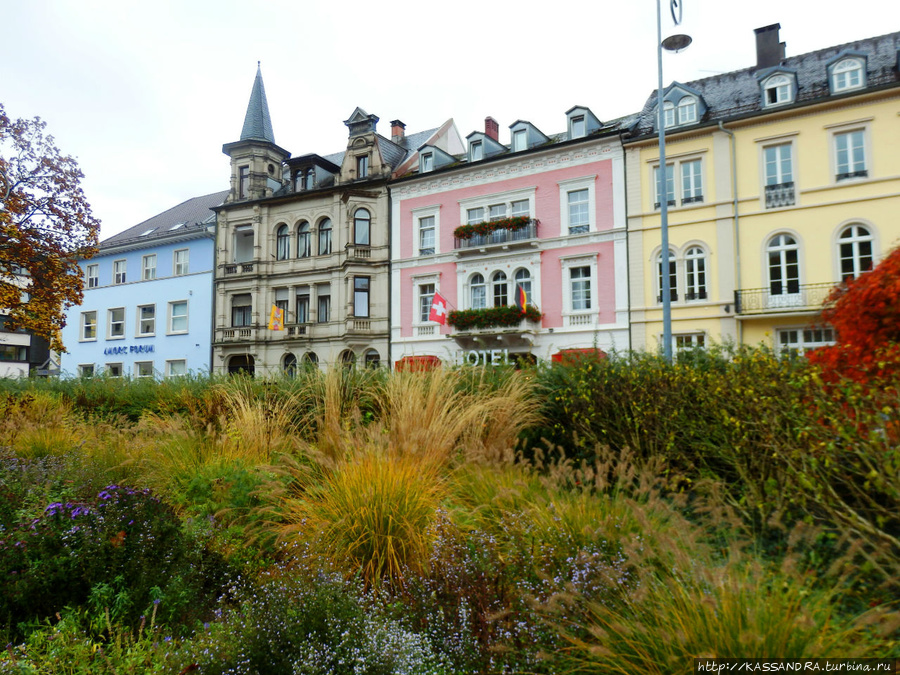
(673, 43)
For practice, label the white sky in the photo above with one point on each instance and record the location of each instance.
(144, 94)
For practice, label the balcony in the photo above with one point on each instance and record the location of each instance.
(802, 298)
(496, 233)
(779, 195)
(495, 327)
(238, 268)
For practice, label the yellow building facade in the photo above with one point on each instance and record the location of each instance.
(782, 180)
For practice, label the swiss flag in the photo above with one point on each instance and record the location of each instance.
(438, 309)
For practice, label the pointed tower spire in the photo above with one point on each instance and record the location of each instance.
(257, 123)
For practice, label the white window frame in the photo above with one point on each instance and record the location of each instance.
(171, 318)
(470, 285)
(674, 290)
(427, 162)
(854, 241)
(181, 267)
(92, 273)
(787, 143)
(140, 321)
(137, 369)
(119, 271)
(782, 85)
(845, 131)
(567, 264)
(520, 140)
(486, 201)
(677, 162)
(109, 369)
(668, 114)
(842, 72)
(110, 322)
(699, 290)
(148, 267)
(687, 110)
(806, 338)
(173, 365)
(85, 324)
(417, 282)
(578, 126)
(588, 183)
(86, 369)
(362, 166)
(684, 342)
(476, 151)
(417, 216)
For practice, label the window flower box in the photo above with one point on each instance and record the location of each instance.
(484, 228)
(491, 317)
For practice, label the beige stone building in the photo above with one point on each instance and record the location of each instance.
(308, 235)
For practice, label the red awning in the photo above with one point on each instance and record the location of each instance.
(415, 364)
(571, 355)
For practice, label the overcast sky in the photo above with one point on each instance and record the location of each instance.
(144, 94)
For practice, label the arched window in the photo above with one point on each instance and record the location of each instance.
(325, 236)
(847, 75)
(372, 358)
(784, 265)
(668, 114)
(687, 110)
(282, 243)
(673, 277)
(477, 292)
(855, 251)
(523, 279)
(310, 360)
(304, 247)
(777, 90)
(348, 359)
(289, 365)
(500, 289)
(695, 274)
(361, 225)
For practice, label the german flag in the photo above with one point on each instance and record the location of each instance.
(521, 298)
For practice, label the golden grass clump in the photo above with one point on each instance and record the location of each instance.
(40, 424)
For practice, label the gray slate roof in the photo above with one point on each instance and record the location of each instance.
(396, 153)
(257, 123)
(196, 214)
(737, 94)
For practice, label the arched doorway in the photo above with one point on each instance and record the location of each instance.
(242, 363)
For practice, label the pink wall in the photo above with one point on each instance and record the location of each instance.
(409, 298)
(552, 283)
(546, 202)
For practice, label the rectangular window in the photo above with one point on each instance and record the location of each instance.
(178, 316)
(323, 294)
(93, 276)
(685, 342)
(115, 322)
(146, 320)
(143, 368)
(148, 267)
(426, 235)
(243, 182)
(180, 263)
(176, 368)
(519, 140)
(114, 369)
(426, 299)
(851, 154)
(798, 340)
(497, 211)
(779, 167)
(362, 166)
(578, 126)
(361, 296)
(86, 370)
(579, 212)
(581, 288)
(670, 185)
(243, 243)
(88, 326)
(303, 306)
(474, 216)
(241, 310)
(427, 162)
(476, 151)
(521, 208)
(281, 302)
(118, 271)
(691, 182)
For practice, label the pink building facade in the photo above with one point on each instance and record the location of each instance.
(551, 212)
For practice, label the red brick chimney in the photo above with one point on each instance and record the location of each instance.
(398, 131)
(492, 128)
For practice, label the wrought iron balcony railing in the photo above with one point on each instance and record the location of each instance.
(782, 298)
(779, 194)
(498, 236)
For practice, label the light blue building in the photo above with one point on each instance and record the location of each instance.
(148, 298)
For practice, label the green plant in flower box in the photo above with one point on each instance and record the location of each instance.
(486, 227)
(491, 317)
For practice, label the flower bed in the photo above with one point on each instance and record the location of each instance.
(491, 317)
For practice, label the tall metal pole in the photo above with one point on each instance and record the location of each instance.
(663, 194)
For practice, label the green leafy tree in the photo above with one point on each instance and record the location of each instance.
(46, 227)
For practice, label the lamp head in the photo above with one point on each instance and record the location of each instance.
(676, 43)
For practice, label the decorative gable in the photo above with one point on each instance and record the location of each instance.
(778, 86)
(847, 71)
(682, 106)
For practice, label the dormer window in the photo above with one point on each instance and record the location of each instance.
(476, 151)
(578, 128)
(519, 140)
(777, 90)
(687, 110)
(427, 162)
(847, 75)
